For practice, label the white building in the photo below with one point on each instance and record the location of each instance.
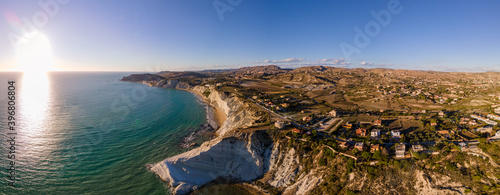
(279, 124)
(333, 113)
(375, 133)
(494, 116)
(396, 134)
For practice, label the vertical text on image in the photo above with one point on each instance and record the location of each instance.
(11, 133)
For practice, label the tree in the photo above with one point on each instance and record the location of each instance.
(423, 156)
(322, 162)
(377, 155)
(384, 151)
(482, 140)
(366, 155)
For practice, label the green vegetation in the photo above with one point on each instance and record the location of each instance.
(429, 108)
(206, 93)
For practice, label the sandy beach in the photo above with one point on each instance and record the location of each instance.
(218, 115)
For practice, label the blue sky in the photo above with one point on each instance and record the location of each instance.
(147, 35)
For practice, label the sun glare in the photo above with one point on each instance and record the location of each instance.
(34, 53)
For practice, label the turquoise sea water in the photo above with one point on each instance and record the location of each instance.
(89, 133)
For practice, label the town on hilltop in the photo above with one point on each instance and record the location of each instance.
(367, 123)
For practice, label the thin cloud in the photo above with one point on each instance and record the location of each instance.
(371, 64)
(340, 61)
(437, 67)
(288, 60)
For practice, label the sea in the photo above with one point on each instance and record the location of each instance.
(90, 133)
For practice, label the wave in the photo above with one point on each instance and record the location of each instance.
(188, 140)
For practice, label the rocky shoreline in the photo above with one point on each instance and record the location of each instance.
(215, 158)
(233, 155)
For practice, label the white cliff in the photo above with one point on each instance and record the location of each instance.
(239, 115)
(285, 166)
(238, 157)
(233, 155)
(305, 183)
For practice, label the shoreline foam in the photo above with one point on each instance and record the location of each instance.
(214, 114)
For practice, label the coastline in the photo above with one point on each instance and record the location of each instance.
(217, 115)
(194, 168)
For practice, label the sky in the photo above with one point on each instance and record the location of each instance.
(150, 36)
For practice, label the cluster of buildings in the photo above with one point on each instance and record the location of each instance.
(485, 120)
(493, 116)
(496, 136)
(497, 110)
(467, 121)
(399, 149)
(279, 104)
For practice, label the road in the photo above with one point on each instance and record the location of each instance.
(344, 154)
(278, 115)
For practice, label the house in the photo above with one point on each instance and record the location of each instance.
(473, 148)
(299, 131)
(441, 113)
(359, 146)
(417, 148)
(445, 133)
(493, 116)
(333, 113)
(472, 123)
(396, 134)
(306, 119)
(485, 129)
(464, 120)
(285, 105)
(434, 124)
(344, 145)
(497, 110)
(279, 124)
(377, 122)
(375, 134)
(462, 145)
(361, 132)
(400, 151)
(374, 147)
(496, 136)
(485, 120)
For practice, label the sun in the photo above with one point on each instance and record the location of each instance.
(34, 53)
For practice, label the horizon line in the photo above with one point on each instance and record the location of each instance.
(284, 68)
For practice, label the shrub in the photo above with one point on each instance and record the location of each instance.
(206, 93)
(366, 155)
(322, 162)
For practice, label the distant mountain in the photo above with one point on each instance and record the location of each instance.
(314, 69)
(270, 69)
(174, 75)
